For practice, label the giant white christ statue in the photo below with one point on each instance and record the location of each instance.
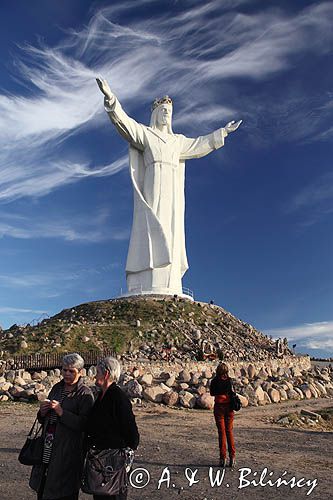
(156, 260)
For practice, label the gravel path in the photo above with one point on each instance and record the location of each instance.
(176, 443)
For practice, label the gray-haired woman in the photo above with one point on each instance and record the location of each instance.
(64, 417)
(111, 422)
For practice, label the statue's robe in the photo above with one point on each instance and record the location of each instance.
(157, 258)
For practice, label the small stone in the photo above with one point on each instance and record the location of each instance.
(283, 421)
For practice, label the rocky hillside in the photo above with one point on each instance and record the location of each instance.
(167, 328)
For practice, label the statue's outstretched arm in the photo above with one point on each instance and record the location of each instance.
(105, 89)
(132, 131)
(205, 144)
(232, 126)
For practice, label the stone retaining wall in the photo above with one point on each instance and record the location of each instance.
(299, 363)
(187, 385)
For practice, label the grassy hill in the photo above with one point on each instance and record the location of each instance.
(143, 327)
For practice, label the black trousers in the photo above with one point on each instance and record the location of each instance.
(121, 496)
(74, 496)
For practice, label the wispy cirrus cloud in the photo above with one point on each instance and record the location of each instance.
(317, 336)
(194, 55)
(314, 201)
(96, 227)
(34, 181)
(58, 277)
(19, 310)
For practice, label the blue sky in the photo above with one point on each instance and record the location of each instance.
(259, 212)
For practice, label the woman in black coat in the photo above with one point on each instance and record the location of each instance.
(111, 422)
(64, 416)
(221, 389)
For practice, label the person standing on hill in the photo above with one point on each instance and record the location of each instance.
(221, 389)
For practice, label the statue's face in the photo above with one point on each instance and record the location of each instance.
(164, 114)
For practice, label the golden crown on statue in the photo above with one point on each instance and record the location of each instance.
(164, 100)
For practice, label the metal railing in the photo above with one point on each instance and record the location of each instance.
(49, 361)
(158, 291)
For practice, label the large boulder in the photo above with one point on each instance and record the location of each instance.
(16, 391)
(283, 394)
(5, 386)
(205, 401)
(306, 391)
(29, 394)
(320, 387)
(244, 401)
(195, 379)
(146, 379)
(267, 399)
(187, 399)
(19, 381)
(26, 376)
(170, 382)
(315, 392)
(154, 394)
(10, 375)
(266, 385)
(201, 389)
(251, 371)
(260, 395)
(207, 373)
(170, 398)
(184, 376)
(133, 389)
(299, 392)
(249, 392)
(274, 395)
(293, 394)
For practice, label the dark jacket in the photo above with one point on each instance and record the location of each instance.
(111, 422)
(221, 387)
(65, 467)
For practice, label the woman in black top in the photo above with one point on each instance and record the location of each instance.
(112, 422)
(64, 416)
(221, 388)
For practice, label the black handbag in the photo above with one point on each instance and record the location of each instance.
(105, 471)
(32, 450)
(235, 402)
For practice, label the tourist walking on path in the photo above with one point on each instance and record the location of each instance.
(64, 417)
(221, 389)
(112, 422)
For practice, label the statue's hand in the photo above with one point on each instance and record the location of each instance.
(232, 126)
(104, 88)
